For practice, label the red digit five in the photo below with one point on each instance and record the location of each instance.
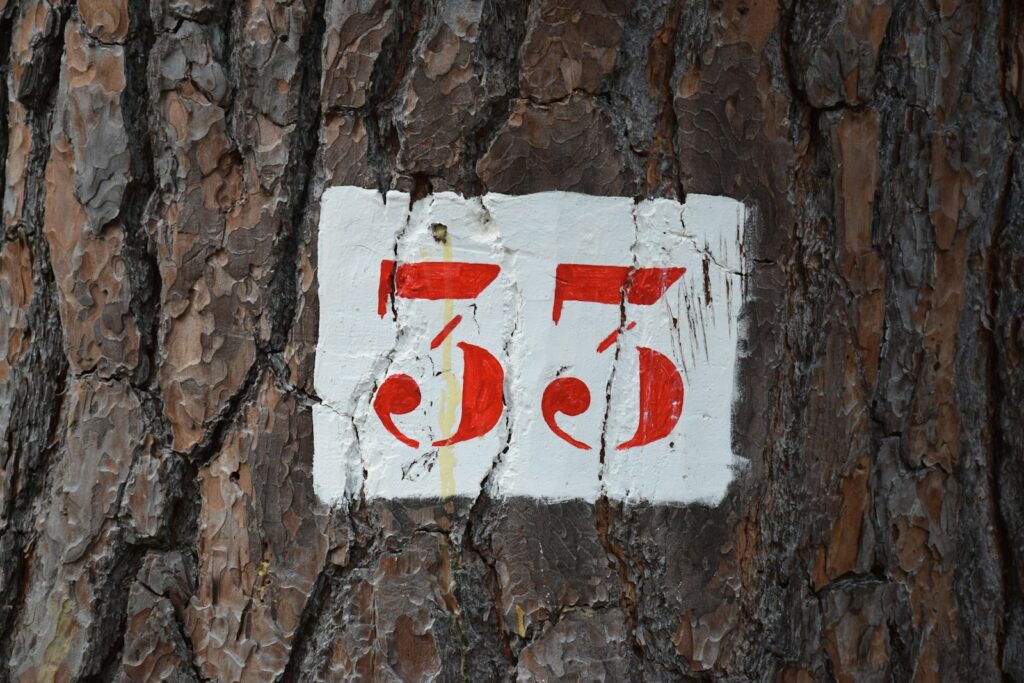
(661, 385)
(483, 377)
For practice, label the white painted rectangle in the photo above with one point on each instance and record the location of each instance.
(616, 262)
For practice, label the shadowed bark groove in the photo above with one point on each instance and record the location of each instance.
(32, 409)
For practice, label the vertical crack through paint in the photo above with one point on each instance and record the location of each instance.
(623, 293)
(380, 373)
(379, 370)
(498, 461)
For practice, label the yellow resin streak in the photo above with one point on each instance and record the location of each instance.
(451, 397)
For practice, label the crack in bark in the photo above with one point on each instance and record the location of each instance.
(319, 596)
(996, 264)
(504, 24)
(7, 24)
(661, 74)
(32, 458)
(139, 251)
(388, 72)
(628, 601)
(215, 433)
(284, 289)
(623, 293)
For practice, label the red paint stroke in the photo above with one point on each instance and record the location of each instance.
(596, 284)
(661, 399)
(649, 284)
(385, 286)
(604, 284)
(610, 339)
(567, 395)
(445, 331)
(397, 395)
(433, 280)
(482, 399)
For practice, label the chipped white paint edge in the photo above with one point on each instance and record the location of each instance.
(695, 324)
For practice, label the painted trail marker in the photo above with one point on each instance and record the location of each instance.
(552, 345)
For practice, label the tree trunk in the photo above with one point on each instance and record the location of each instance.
(164, 162)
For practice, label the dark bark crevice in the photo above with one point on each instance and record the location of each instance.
(1006, 471)
(388, 72)
(499, 52)
(33, 440)
(319, 596)
(283, 291)
(139, 251)
(7, 23)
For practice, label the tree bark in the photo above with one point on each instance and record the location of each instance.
(163, 163)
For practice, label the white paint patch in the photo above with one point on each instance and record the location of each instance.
(484, 269)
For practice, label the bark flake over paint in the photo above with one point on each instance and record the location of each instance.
(542, 343)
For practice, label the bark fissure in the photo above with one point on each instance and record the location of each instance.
(999, 267)
(283, 291)
(33, 438)
(7, 17)
(388, 71)
(139, 252)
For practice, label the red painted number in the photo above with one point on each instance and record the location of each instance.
(661, 385)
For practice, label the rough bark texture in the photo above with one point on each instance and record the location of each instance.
(163, 161)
